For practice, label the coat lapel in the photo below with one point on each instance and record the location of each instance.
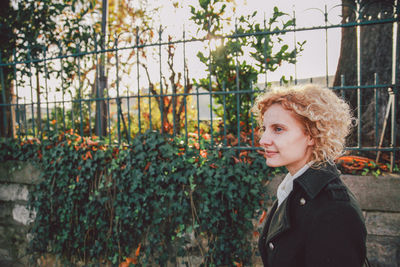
(280, 221)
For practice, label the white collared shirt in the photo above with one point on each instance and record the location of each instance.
(286, 186)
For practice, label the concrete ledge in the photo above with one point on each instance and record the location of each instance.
(375, 193)
(383, 251)
(13, 192)
(5, 211)
(383, 224)
(19, 172)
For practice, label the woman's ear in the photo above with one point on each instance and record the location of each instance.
(310, 140)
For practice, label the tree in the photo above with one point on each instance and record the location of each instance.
(28, 29)
(376, 57)
(118, 16)
(7, 43)
(35, 28)
(115, 29)
(172, 100)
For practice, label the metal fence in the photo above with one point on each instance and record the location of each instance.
(57, 91)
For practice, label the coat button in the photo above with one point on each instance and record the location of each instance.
(271, 246)
(302, 201)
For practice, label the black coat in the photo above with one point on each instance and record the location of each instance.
(319, 224)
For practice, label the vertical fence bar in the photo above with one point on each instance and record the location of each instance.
(295, 45)
(265, 53)
(39, 116)
(89, 102)
(148, 93)
(210, 88)
(25, 122)
(17, 110)
(12, 105)
(174, 99)
(185, 85)
(341, 85)
(96, 82)
(224, 104)
(237, 89)
(119, 112)
(46, 87)
(129, 112)
(129, 115)
(149, 103)
(55, 114)
(251, 114)
(376, 82)
(394, 95)
(72, 106)
(198, 114)
(161, 85)
(137, 77)
(62, 84)
(359, 109)
(326, 47)
(31, 85)
(106, 88)
(80, 89)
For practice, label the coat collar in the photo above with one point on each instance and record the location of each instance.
(312, 182)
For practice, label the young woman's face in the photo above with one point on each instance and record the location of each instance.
(284, 140)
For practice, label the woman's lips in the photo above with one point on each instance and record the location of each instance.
(270, 154)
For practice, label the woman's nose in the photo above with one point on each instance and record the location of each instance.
(265, 139)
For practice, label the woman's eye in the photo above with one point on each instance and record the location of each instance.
(263, 128)
(278, 129)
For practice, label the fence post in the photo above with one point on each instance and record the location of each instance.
(161, 85)
(358, 38)
(17, 109)
(138, 80)
(393, 95)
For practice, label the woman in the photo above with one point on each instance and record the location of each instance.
(316, 220)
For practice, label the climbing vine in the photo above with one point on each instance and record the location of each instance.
(154, 201)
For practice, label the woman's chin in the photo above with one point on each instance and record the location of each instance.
(273, 164)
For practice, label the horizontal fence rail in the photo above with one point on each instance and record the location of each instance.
(118, 90)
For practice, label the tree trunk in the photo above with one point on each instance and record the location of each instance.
(376, 58)
(101, 108)
(7, 97)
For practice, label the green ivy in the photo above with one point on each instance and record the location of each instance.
(152, 201)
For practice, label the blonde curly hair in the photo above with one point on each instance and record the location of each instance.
(326, 117)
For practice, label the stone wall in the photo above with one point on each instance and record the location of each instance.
(16, 179)
(379, 198)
